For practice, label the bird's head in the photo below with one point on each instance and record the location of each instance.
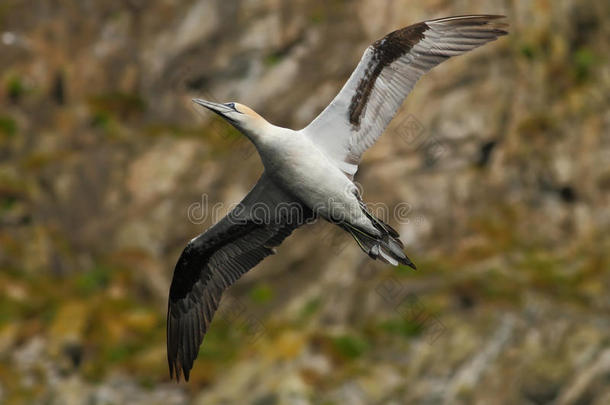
(240, 116)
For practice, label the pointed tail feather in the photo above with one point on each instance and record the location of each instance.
(387, 247)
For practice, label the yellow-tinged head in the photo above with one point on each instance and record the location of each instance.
(240, 116)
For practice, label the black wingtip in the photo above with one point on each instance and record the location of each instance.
(176, 371)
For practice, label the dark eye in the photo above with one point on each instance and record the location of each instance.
(232, 106)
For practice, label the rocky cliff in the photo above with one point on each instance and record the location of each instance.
(496, 172)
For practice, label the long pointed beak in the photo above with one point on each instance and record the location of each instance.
(217, 108)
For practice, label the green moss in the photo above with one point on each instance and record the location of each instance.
(101, 119)
(272, 59)
(219, 344)
(402, 327)
(404, 270)
(119, 104)
(547, 273)
(15, 88)
(7, 203)
(527, 50)
(93, 280)
(48, 312)
(147, 382)
(120, 352)
(8, 126)
(311, 307)
(261, 294)
(584, 61)
(350, 347)
(9, 310)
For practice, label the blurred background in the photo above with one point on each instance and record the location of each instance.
(496, 173)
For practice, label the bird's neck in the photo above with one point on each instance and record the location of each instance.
(259, 131)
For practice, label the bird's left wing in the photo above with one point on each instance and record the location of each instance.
(214, 260)
(387, 72)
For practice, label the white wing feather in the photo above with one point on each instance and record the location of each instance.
(425, 45)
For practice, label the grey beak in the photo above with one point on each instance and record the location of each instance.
(217, 108)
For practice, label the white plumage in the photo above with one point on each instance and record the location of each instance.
(441, 39)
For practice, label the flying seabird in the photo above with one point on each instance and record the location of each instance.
(309, 174)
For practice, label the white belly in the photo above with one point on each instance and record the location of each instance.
(299, 167)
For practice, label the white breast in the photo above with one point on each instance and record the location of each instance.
(298, 166)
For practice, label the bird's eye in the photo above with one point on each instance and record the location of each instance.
(232, 106)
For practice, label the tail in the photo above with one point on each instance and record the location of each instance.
(385, 247)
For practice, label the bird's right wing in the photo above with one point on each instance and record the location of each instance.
(387, 72)
(214, 260)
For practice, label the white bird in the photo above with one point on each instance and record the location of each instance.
(308, 174)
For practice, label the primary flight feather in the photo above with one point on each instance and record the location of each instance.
(308, 174)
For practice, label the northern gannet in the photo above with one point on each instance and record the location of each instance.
(308, 174)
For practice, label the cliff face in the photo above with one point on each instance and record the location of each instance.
(496, 172)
